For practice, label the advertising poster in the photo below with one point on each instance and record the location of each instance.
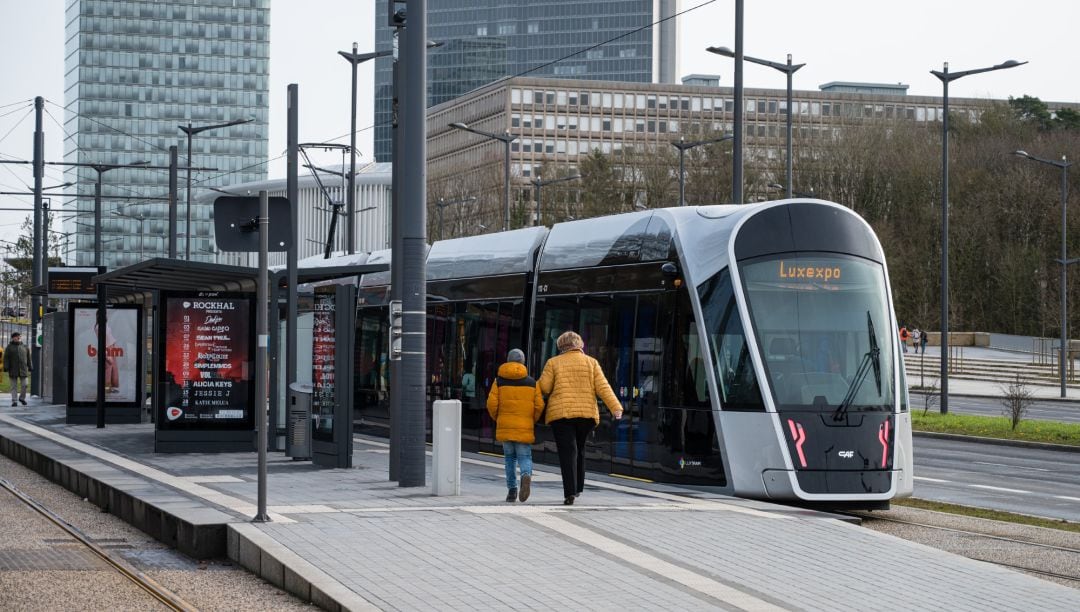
(208, 361)
(122, 355)
(323, 346)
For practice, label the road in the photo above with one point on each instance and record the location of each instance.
(1040, 410)
(1027, 481)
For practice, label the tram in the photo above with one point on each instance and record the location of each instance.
(753, 347)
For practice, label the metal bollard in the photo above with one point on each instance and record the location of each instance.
(446, 447)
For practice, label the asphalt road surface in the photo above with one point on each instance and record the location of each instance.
(1041, 410)
(1026, 481)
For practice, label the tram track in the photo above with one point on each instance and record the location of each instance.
(1073, 578)
(163, 595)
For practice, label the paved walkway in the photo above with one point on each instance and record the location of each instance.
(987, 388)
(349, 538)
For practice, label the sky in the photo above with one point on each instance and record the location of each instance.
(839, 40)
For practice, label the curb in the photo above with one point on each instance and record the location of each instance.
(1059, 400)
(997, 441)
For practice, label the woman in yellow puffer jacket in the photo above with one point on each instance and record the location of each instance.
(515, 403)
(572, 381)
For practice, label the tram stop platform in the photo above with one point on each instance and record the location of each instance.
(351, 540)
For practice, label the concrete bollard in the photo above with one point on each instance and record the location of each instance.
(446, 447)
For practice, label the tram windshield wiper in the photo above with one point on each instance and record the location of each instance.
(871, 360)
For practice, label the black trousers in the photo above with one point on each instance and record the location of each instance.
(570, 436)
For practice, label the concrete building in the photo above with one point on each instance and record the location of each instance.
(489, 39)
(372, 211)
(134, 72)
(558, 121)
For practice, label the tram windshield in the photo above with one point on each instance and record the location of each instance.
(822, 326)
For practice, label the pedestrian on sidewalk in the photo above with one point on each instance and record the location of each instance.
(904, 335)
(18, 367)
(572, 381)
(916, 337)
(923, 340)
(515, 404)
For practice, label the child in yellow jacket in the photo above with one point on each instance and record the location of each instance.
(515, 403)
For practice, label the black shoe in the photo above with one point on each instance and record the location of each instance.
(569, 501)
(511, 495)
(526, 481)
(22, 401)
(13, 404)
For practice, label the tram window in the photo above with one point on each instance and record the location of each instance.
(736, 377)
(372, 362)
(686, 382)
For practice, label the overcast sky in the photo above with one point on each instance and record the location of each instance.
(839, 40)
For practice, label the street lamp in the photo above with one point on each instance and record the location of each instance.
(790, 193)
(539, 182)
(1064, 261)
(788, 69)
(355, 59)
(946, 77)
(140, 217)
(191, 132)
(441, 204)
(102, 169)
(506, 138)
(683, 146)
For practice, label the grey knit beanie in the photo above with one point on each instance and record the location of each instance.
(516, 355)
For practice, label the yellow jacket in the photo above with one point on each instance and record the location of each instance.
(515, 403)
(572, 381)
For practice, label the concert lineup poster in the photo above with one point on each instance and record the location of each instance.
(208, 361)
(123, 353)
(323, 345)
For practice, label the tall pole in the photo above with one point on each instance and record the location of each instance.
(1064, 266)
(102, 322)
(682, 174)
(37, 272)
(790, 72)
(292, 190)
(351, 198)
(506, 182)
(945, 243)
(414, 293)
(398, 93)
(538, 183)
(172, 200)
(260, 352)
(438, 209)
(737, 158)
(187, 230)
(97, 220)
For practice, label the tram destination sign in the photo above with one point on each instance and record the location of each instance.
(73, 282)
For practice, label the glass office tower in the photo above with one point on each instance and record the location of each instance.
(484, 40)
(136, 70)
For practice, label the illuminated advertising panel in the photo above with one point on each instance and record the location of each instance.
(123, 355)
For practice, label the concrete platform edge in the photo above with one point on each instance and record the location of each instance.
(281, 566)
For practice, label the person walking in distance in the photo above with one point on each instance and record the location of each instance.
(572, 381)
(923, 340)
(515, 404)
(18, 367)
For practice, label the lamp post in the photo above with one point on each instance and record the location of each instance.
(539, 182)
(789, 69)
(355, 59)
(506, 138)
(683, 146)
(102, 169)
(191, 132)
(946, 77)
(140, 217)
(1064, 261)
(443, 203)
(790, 193)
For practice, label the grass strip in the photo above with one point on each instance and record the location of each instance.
(996, 427)
(993, 515)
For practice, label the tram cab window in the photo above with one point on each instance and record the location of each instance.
(734, 367)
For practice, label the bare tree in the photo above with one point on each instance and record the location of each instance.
(1016, 397)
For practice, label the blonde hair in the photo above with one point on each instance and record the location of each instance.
(569, 340)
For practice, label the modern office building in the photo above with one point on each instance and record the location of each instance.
(135, 71)
(485, 40)
(372, 188)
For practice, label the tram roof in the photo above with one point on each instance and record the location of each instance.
(617, 239)
(511, 252)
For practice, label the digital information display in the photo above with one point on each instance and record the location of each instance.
(323, 345)
(208, 362)
(123, 355)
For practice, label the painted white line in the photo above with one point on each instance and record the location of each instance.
(1002, 489)
(1066, 497)
(212, 479)
(1011, 467)
(303, 509)
(227, 501)
(634, 556)
(925, 479)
